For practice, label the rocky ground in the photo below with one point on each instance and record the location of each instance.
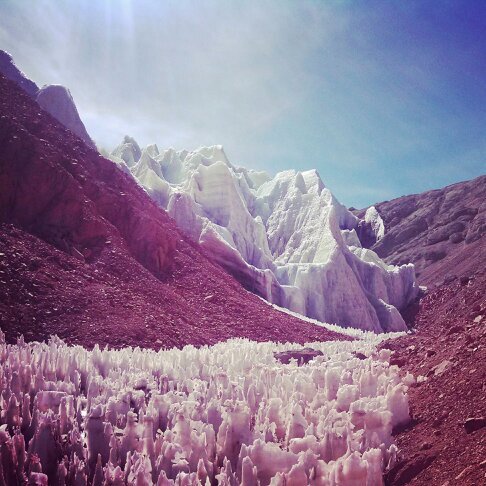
(445, 444)
(443, 233)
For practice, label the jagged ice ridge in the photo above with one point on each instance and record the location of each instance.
(286, 238)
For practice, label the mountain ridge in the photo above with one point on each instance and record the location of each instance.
(54, 98)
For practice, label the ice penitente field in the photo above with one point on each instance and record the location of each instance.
(229, 413)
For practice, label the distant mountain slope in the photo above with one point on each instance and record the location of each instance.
(441, 231)
(53, 98)
(86, 254)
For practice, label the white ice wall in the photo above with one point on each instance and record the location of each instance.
(286, 238)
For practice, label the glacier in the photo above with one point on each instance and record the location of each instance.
(285, 238)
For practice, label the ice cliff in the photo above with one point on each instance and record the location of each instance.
(286, 238)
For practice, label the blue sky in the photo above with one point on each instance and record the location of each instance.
(383, 98)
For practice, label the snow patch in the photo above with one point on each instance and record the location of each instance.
(372, 216)
(369, 336)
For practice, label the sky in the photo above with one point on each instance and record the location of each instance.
(384, 98)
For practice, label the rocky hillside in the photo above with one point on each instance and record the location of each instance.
(441, 231)
(86, 254)
(445, 444)
(12, 72)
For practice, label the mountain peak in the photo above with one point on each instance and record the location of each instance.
(54, 98)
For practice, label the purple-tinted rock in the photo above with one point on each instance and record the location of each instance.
(474, 423)
(441, 231)
(303, 356)
(12, 72)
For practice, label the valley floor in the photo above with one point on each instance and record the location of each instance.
(349, 390)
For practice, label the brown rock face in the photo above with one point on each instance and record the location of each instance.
(87, 255)
(407, 471)
(474, 423)
(302, 356)
(68, 202)
(442, 232)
